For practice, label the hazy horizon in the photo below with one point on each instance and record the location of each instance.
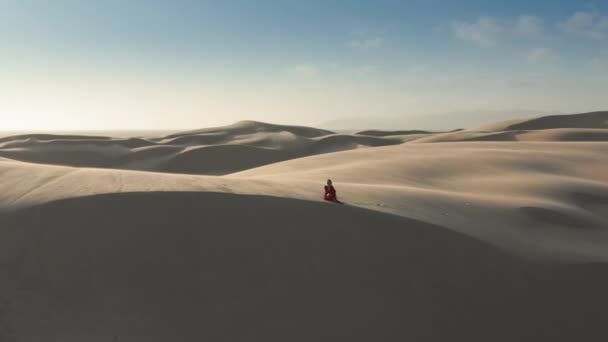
(172, 65)
(441, 121)
(435, 122)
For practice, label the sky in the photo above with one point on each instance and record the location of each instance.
(182, 64)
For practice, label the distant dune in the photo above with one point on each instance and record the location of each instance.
(247, 144)
(597, 120)
(378, 133)
(558, 134)
(212, 151)
(574, 127)
(249, 127)
(492, 234)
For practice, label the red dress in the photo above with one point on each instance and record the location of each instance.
(330, 194)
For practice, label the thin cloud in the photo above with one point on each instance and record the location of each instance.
(529, 26)
(485, 31)
(488, 31)
(543, 55)
(586, 24)
(372, 43)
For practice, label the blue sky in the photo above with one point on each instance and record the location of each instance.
(177, 64)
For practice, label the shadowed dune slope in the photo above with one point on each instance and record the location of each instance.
(379, 133)
(341, 142)
(249, 126)
(203, 266)
(223, 159)
(49, 137)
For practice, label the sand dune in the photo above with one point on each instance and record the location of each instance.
(575, 127)
(558, 134)
(248, 126)
(247, 144)
(212, 151)
(460, 240)
(585, 120)
(223, 159)
(185, 266)
(49, 137)
(482, 190)
(378, 133)
(338, 142)
(477, 189)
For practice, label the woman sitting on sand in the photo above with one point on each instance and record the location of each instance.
(330, 193)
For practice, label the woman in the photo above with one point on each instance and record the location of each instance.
(330, 193)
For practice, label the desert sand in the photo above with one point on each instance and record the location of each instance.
(498, 233)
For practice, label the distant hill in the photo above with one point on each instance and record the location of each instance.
(584, 120)
(571, 127)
